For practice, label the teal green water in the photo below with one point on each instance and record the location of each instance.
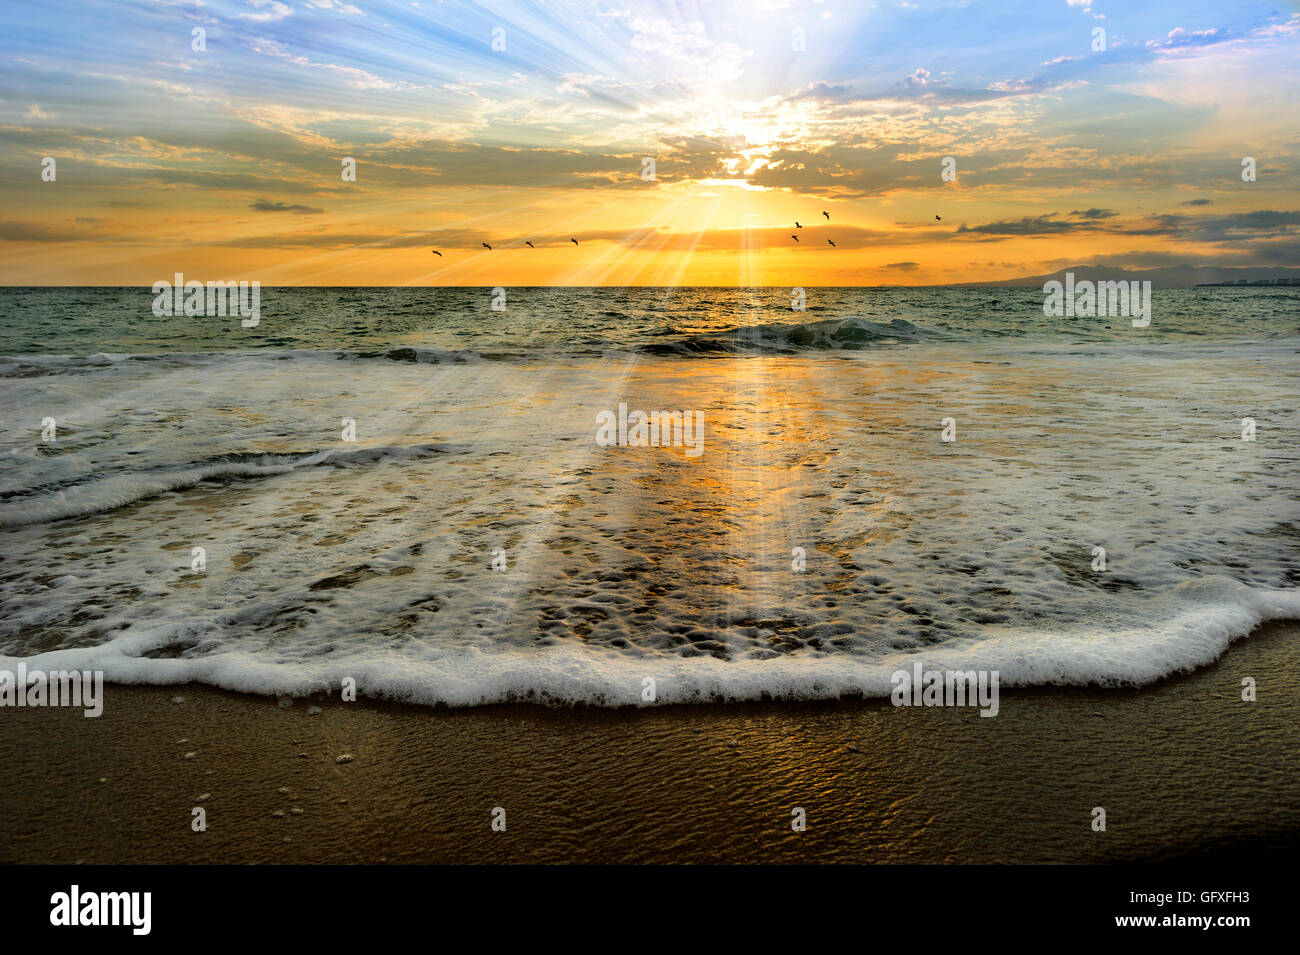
(541, 322)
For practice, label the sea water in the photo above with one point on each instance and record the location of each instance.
(404, 487)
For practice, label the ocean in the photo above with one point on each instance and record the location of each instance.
(405, 488)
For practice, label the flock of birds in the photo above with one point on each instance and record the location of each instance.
(798, 225)
(794, 236)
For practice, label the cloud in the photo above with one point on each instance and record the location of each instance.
(1234, 228)
(445, 163)
(264, 205)
(827, 93)
(11, 231)
(1235, 232)
(272, 10)
(1028, 225)
(333, 5)
(841, 171)
(1178, 37)
(352, 76)
(683, 50)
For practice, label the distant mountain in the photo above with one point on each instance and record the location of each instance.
(1178, 276)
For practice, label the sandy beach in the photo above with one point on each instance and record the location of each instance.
(1183, 769)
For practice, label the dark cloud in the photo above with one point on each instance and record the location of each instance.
(1236, 227)
(1283, 251)
(437, 163)
(11, 231)
(265, 205)
(1028, 225)
(1241, 233)
(845, 172)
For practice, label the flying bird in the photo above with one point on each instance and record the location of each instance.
(574, 241)
(827, 215)
(795, 237)
(436, 252)
(486, 246)
(529, 244)
(937, 219)
(797, 225)
(831, 243)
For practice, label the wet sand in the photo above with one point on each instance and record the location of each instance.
(1183, 769)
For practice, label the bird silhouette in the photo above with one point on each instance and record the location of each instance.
(827, 215)
(797, 225)
(574, 241)
(937, 219)
(795, 237)
(832, 244)
(486, 246)
(529, 244)
(436, 252)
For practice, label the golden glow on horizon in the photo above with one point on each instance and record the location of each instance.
(701, 233)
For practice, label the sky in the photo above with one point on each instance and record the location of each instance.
(678, 143)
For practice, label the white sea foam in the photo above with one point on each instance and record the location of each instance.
(455, 676)
(105, 494)
(326, 559)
